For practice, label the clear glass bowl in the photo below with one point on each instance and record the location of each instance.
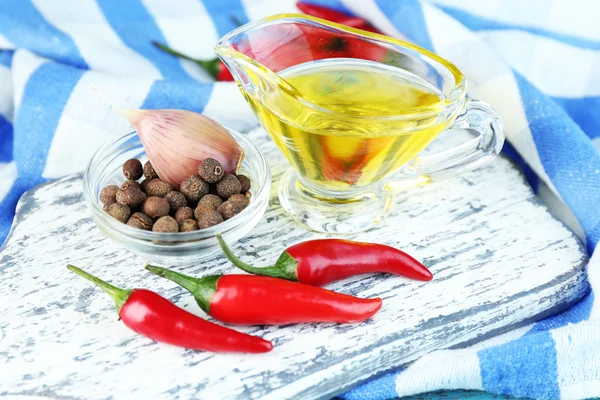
(182, 248)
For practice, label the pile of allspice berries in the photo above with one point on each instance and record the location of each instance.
(203, 200)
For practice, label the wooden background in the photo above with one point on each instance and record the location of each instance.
(500, 260)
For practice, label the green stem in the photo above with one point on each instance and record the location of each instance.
(203, 289)
(210, 66)
(120, 296)
(284, 268)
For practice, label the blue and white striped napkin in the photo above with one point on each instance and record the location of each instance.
(536, 62)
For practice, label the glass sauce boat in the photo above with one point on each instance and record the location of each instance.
(351, 111)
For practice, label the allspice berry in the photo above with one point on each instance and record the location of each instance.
(149, 172)
(209, 219)
(210, 170)
(132, 169)
(228, 186)
(188, 225)
(228, 210)
(140, 221)
(119, 211)
(144, 184)
(156, 207)
(176, 200)
(108, 194)
(239, 200)
(193, 188)
(212, 200)
(165, 224)
(183, 213)
(203, 209)
(158, 188)
(245, 182)
(130, 194)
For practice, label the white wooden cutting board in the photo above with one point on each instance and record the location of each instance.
(500, 260)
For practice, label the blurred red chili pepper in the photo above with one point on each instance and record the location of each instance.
(322, 261)
(251, 300)
(335, 16)
(155, 317)
(214, 67)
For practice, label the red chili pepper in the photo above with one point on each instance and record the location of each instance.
(321, 261)
(249, 299)
(214, 67)
(155, 317)
(335, 16)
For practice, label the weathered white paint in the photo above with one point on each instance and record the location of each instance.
(500, 260)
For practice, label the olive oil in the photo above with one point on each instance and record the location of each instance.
(345, 122)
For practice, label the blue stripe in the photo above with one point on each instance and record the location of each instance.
(530, 175)
(178, 95)
(6, 57)
(225, 13)
(6, 140)
(9, 203)
(44, 98)
(525, 367)
(136, 27)
(585, 111)
(478, 23)
(23, 25)
(407, 17)
(558, 139)
(378, 389)
(579, 312)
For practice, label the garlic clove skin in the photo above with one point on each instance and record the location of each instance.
(176, 142)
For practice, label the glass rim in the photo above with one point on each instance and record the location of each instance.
(456, 96)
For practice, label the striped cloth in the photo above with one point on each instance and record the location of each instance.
(536, 62)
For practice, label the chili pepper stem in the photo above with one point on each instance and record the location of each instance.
(203, 289)
(210, 66)
(120, 296)
(284, 268)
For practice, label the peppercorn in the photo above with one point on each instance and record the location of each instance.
(158, 188)
(108, 194)
(132, 169)
(240, 201)
(227, 186)
(212, 200)
(176, 200)
(119, 211)
(135, 183)
(141, 221)
(130, 194)
(245, 182)
(193, 188)
(188, 225)
(203, 209)
(209, 219)
(149, 172)
(228, 210)
(210, 170)
(183, 213)
(156, 207)
(165, 224)
(144, 184)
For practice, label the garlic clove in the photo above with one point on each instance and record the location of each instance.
(176, 142)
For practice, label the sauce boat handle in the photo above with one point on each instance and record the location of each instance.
(477, 117)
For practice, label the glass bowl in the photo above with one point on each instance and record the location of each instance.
(182, 248)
